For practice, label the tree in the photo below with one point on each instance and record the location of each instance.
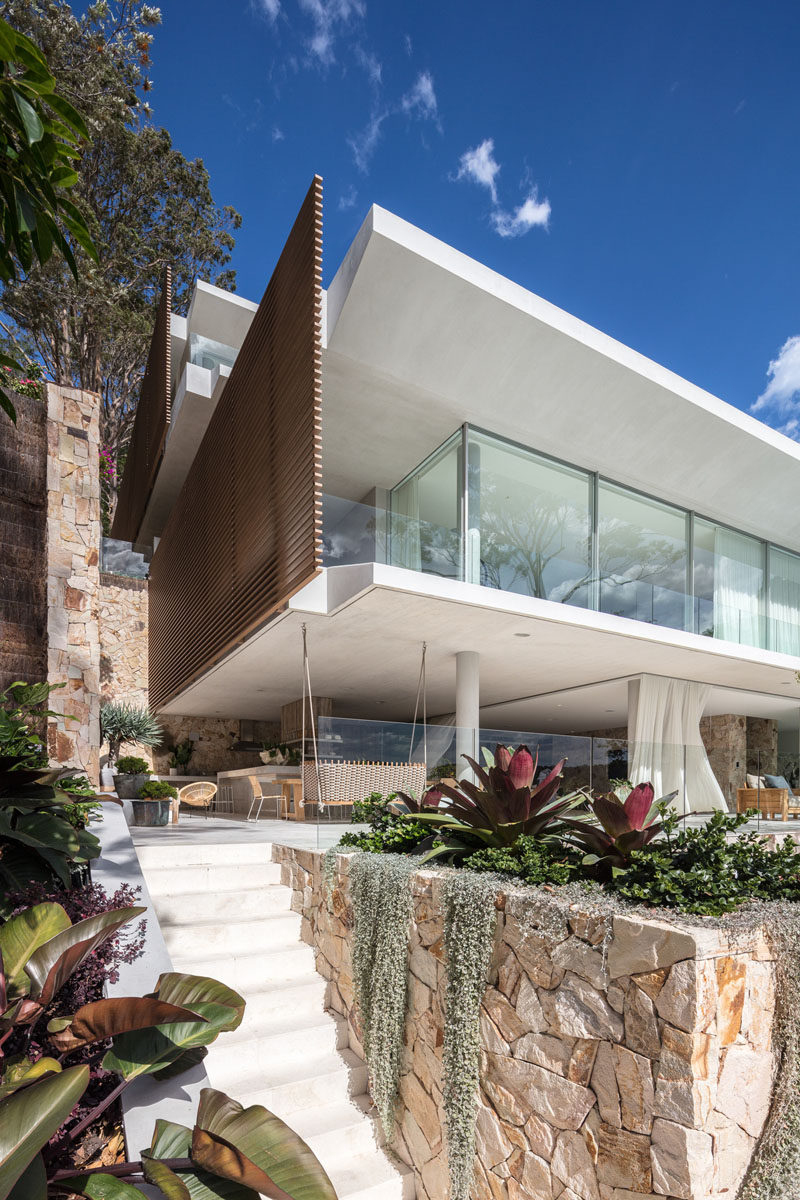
(40, 132)
(146, 205)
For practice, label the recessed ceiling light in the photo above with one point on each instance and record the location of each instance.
(608, 710)
(522, 635)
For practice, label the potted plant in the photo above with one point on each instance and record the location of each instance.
(180, 755)
(153, 803)
(121, 722)
(130, 775)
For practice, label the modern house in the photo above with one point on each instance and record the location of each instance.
(426, 452)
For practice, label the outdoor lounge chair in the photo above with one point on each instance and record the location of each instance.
(770, 802)
(196, 795)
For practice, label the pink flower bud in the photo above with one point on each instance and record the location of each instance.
(520, 770)
(502, 757)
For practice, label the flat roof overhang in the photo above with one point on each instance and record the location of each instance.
(421, 338)
(366, 624)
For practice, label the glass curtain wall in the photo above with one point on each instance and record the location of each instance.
(642, 558)
(487, 511)
(531, 520)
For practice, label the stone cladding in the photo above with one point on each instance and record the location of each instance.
(633, 1067)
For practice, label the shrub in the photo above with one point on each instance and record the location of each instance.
(388, 834)
(131, 765)
(372, 805)
(157, 789)
(530, 860)
(705, 871)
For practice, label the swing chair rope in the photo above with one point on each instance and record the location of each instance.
(422, 692)
(307, 692)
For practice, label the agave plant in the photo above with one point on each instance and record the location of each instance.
(163, 1034)
(121, 722)
(614, 827)
(465, 817)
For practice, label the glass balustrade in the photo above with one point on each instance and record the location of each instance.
(125, 558)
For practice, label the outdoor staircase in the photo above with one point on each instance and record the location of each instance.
(224, 913)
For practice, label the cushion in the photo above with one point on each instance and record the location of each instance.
(755, 781)
(777, 781)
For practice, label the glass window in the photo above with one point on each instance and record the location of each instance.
(425, 524)
(642, 557)
(205, 352)
(784, 601)
(728, 584)
(530, 522)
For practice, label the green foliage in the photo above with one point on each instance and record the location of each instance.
(469, 923)
(121, 722)
(616, 827)
(146, 206)
(130, 764)
(40, 132)
(380, 888)
(372, 805)
(181, 753)
(231, 1151)
(388, 834)
(506, 806)
(530, 860)
(157, 789)
(710, 870)
(22, 717)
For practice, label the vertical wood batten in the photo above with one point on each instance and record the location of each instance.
(245, 532)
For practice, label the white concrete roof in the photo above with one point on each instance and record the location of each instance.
(421, 338)
(366, 624)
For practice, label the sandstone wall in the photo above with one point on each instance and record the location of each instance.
(73, 576)
(725, 739)
(641, 1071)
(123, 639)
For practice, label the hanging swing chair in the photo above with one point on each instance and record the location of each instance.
(333, 784)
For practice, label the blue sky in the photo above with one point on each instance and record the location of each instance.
(635, 163)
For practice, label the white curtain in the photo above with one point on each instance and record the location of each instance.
(665, 746)
(406, 550)
(738, 584)
(784, 602)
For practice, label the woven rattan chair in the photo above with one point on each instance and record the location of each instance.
(197, 795)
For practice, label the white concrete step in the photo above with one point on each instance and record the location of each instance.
(371, 1177)
(290, 1085)
(247, 973)
(247, 1053)
(185, 854)
(284, 1006)
(330, 1127)
(255, 936)
(208, 906)
(210, 877)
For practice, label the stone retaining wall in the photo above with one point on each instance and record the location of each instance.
(637, 1070)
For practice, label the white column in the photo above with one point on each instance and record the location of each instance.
(468, 703)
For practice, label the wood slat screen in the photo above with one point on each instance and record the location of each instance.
(149, 427)
(246, 531)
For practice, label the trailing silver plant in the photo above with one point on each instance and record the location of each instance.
(380, 888)
(470, 916)
(329, 872)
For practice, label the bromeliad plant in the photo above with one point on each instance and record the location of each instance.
(465, 817)
(614, 828)
(231, 1151)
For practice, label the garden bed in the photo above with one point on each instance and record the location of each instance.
(621, 1055)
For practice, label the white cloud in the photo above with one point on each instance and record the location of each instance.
(365, 143)
(271, 8)
(530, 213)
(409, 45)
(277, 134)
(781, 396)
(329, 18)
(480, 166)
(370, 64)
(348, 199)
(420, 100)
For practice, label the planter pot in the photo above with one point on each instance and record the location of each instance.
(151, 812)
(173, 770)
(128, 785)
(106, 780)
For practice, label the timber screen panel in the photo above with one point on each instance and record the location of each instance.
(149, 427)
(245, 533)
